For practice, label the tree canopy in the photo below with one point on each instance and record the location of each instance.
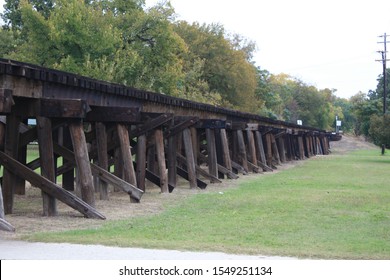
(124, 42)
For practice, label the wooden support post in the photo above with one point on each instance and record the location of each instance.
(10, 149)
(129, 172)
(227, 162)
(282, 150)
(212, 152)
(46, 154)
(260, 150)
(82, 161)
(275, 150)
(301, 148)
(101, 141)
(159, 138)
(141, 161)
(268, 139)
(252, 151)
(189, 152)
(172, 163)
(243, 159)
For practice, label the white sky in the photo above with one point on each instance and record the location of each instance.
(329, 44)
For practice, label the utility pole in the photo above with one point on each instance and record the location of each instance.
(384, 60)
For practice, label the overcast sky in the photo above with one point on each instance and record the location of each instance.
(328, 44)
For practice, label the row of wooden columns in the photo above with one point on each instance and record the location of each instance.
(164, 146)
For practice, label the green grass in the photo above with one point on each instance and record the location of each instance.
(328, 207)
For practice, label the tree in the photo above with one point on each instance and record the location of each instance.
(12, 13)
(379, 130)
(226, 68)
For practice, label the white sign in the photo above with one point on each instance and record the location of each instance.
(299, 122)
(338, 123)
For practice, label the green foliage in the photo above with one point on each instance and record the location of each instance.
(121, 41)
(363, 108)
(380, 129)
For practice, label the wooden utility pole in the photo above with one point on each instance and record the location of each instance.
(384, 60)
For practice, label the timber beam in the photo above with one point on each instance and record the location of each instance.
(49, 187)
(114, 114)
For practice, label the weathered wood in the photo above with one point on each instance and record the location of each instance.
(260, 150)
(63, 108)
(6, 100)
(189, 152)
(159, 138)
(211, 124)
(212, 153)
(239, 168)
(11, 149)
(68, 177)
(185, 175)
(6, 226)
(264, 166)
(151, 124)
(129, 172)
(268, 140)
(252, 151)
(114, 114)
(46, 154)
(101, 142)
(281, 148)
(225, 150)
(103, 174)
(2, 131)
(141, 161)
(2, 215)
(301, 148)
(172, 163)
(195, 143)
(275, 150)
(49, 187)
(178, 128)
(243, 159)
(199, 170)
(255, 168)
(82, 161)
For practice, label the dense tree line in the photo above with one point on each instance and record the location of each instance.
(124, 42)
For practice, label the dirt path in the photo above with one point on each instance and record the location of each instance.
(28, 219)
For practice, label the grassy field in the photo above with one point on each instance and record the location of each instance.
(332, 207)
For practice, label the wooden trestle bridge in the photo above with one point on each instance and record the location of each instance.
(97, 126)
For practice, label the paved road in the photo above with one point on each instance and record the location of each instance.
(19, 250)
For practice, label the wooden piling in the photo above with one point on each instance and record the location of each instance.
(212, 152)
(101, 141)
(159, 138)
(10, 149)
(47, 162)
(82, 161)
(189, 153)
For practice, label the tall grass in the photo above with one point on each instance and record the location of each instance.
(327, 207)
